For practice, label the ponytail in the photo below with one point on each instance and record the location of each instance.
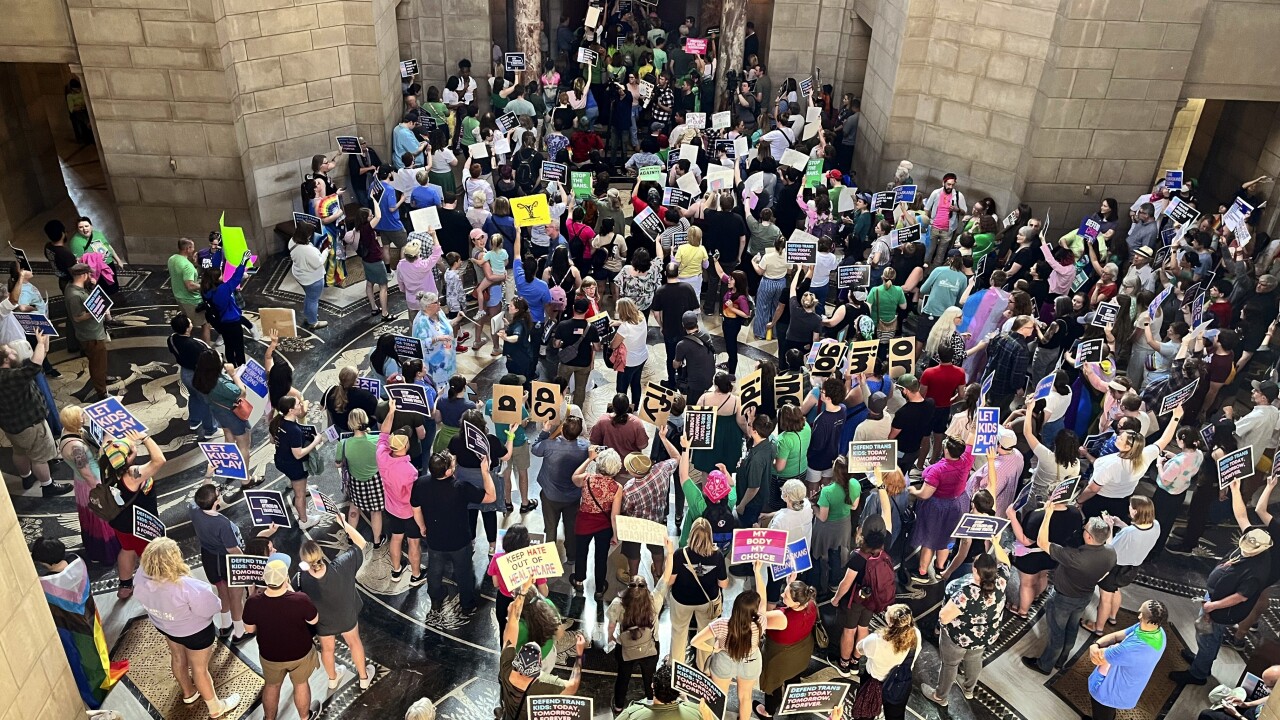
(987, 569)
(283, 407)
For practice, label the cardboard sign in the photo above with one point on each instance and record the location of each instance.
(650, 173)
(427, 218)
(639, 530)
(556, 172)
(902, 355)
(817, 697)
(505, 122)
(349, 144)
(24, 263)
(323, 504)
(719, 177)
(245, 570)
(795, 159)
(797, 560)
(282, 320)
(979, 527)
(693, 684)
(700, 427)
(1173, 179)
(98, 304)
(1090, 351)
(751, 390)
(477, 440)
(1154, 307)
(147, 527)
(696, 120)
(546, 400)
(559, 707)
(531, 563)
(721, 120)
(695, 46)
(531, 210)
(740, 149)
(987, 422)
(478, 151)
(904, 194)
(32, 322)
(1176, 398)
(408, 346)
(507, 402)
(752, 544)
(267, 507)
(853, 276)
(587, 57)
(802, 252)
(513, 62)
(788, 388)
(867, 455)
(408, 68)
(115, 421)
(226, 460)
(409, 397)
(829, 358)
(1236, 465)
(675, 197)
(649, 223)
(862, 356)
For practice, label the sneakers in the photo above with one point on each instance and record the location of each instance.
(367, 680)
(844, 668)
(335, 681)
(1241, 644)
(417, 580)
(28, 481)
(968, 693)
(318, 325)
(54, 489)
(931, 694)
(310, 522)
(189, 700)
(225, 705)
(397, 573)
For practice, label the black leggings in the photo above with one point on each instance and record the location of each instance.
(732, 327)
(647, 667)
(490, 518)
(1102, 712)
(773, 700)
(1202, 500)
(1167, 507)
(601, 540)
(233, 339)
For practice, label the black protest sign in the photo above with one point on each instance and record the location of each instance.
(146, 527)
(853, 276)
(1067, 490)
(559, 707)
(1089, 351)
(408, 68)
(20, 255)
(408, 346)
(655, 404)
(830, 357)
(266, 507)
(649, 222)
(675, 197)
(693, 684)
(477, 440)
(349, 144)
(802, 252)
(867, 455)
(506, 121)
(323, 504)
(862, 356)
(409, 397)
(788, 388)
(979, 527)
(554, 172)
(545, 406)
(514, 62)
(909, 233)
(1181, 212)
(1105, 315)
(1236, 465)
(700, 427)
(902, 355)
(818, 697)
(882, 202)
(245, 570)
(603, 326)
(1176, 398)
(507, 400)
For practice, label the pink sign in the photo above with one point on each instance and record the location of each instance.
(695, 46)
(767, 546)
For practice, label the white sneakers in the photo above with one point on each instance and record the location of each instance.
(223, 705)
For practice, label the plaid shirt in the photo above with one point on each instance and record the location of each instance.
(646, 497)
(22, 399)
(663, 96)
(1008, 357)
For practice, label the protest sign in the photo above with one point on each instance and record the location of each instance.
(1181, 212)
(904, 194)
(905, 234)
(987, 423)
(476, 440)
(853, 276)
(829, 358)
(1067, 490)
(639, 530)
(300, 219)
(695, 120)
(751, 390)
(604, 327)
(587, 57)
(688, 183)
(979, 527)
(24, 263)
(867, 455)
(98, 304)
(848, 195)
(700, 427)
(796, 560)
(1206, 434)
(801, 251)
(882, 202)
(1237, 465)
(323, 504)
(266, 507)
(1045, 386)
(559, 707)
(806, 85)
(505, 122)
(33, 322)
(1154, 307)
(427, 218)
(507, 403)
(531, 563)
(409, 397)
(478, 151)
(115, 421)
(283, 321)
(1254, 688)
(752, 544)
(408, 68)
(693, 684)
(740, 148)
(902, 356)
(788, 388)
(986, 385)
(719, 177)
(1176, 398)
(592, 22)
(675, 197)
(862, 356)
(795, 159)
(555, 172)
(1173, 179)
(408, 346)
(531, 210)
(1237, 215)
(813, 173)
(695, 46)
(655, 404)
(245, 570)
(546, 399)
(650, 173)
(816, 697)
(1089, 351)
(372, 385)
(580, 182)
(349, 144)
(721, 120)
(513, 62)
(226, 460)
(147, 527)
(1105, 314)
(649, 222)
(254, 378)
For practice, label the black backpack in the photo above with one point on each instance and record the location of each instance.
(720, 515)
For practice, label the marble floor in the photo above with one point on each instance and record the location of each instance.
(450, 659)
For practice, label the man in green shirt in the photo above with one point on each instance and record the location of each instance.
(666, 704)
(185, 283)
(89, 331)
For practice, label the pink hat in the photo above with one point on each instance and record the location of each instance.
(716, 488)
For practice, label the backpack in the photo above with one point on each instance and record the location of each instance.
(877, 577)
(826, 227)
(720, 515)
(896, 687)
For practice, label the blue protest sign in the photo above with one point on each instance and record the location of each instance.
(113, 418)
(904, 194)
(226, 460)
(1154, 307)
(409, 397)
(98, 304)
(31, 322)
(979, 527)
(373, 385)
(1173, 179)
(986, 385)
(988, 426)
(254, 377)
(1045, 386)
(267, 507)
(1089, 228)
(797, 560)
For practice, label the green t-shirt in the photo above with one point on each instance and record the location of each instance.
(87, 329)
(80, 245)
(360, 454)
(833, 498)
(884, 302)
(679, 710)
(659, 60)
(182, 271)
(500, 429)
(696, 504)
(794, 447)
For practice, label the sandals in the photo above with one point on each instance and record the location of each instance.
(1085, 625)
(189, 700)
(528, 507)
(125, 590)
(251, 483)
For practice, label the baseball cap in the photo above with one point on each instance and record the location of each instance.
(637, 464)
(689, 320)
(716, 487)
(276, 574)
(79, 269)
(398, 442)
(908, 382)
(1268, 389)
(528, 660)
(1007, 438)
(877, 403)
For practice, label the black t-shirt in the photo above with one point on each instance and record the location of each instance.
(357, 397)
(802, 325)
(673, 300)
(913, 419)
(453, 232)
(568, 332)
(708, 570)
(723, 231)
(61, 257)
(1025, 258)
(1238, 574)
(444, 511)
(699, 362)
(186, 350)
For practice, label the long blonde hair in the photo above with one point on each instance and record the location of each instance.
(627, 312)
(700, 537)
(1137, 444)
(162, 561)
(899, 628)
(942, 330)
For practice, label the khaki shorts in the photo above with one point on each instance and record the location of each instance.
(520, 457)
(198, 319)
(35, 443)
(298, 670)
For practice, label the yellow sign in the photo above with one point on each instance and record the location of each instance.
(531, 210)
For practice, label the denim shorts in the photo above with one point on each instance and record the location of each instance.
(723, 666)
(229, 421)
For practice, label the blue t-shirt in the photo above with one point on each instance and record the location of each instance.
(425, 196)
(1132, 662)
(390, 218)
(288, 437)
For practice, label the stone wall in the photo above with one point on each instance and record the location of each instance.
(37, 31)
(826, 34)
(880, 124)
(1245, 146)
(32, 181)
(439, 33)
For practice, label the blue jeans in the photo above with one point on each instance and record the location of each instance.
(635, 136)
(198, 410)
(1207, 651)
(629, 380)
(311, 303)
(464, 575)
(1063, 614)
(55, 423)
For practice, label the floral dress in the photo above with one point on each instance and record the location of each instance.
(640, 288)
(440, 357)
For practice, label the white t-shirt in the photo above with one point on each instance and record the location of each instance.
(1055, 406)
(635, 336)
(1115, 477)
(797, 523)
(822, 269)
(880, 655)
(1048, 472)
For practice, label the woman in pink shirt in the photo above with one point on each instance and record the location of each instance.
(398, 475)
(940, 502)
(414, 273)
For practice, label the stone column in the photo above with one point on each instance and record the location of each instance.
(529, 37)
(733, 32)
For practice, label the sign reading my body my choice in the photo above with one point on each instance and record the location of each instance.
(752, 544)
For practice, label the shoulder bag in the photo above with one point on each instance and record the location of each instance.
(717, 605)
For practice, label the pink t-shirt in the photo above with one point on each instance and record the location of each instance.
(502, 584)
(398, 475)
(942, 218)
